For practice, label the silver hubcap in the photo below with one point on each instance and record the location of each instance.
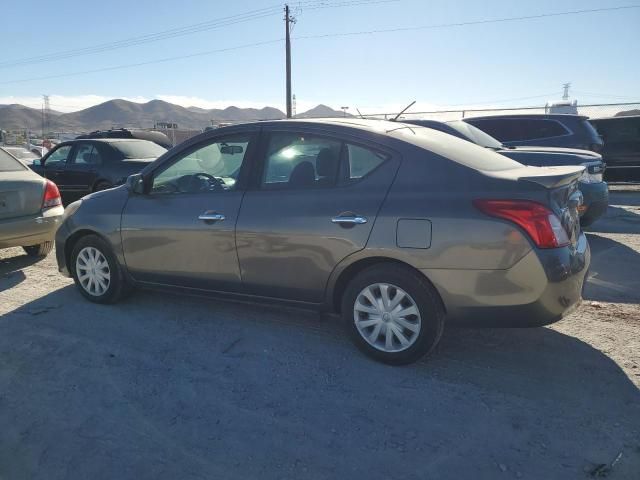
(387, 317)
(93, 271)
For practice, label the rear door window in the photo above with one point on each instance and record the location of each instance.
(298, 160)
(503, 130)
(86, 154)
(532, 129)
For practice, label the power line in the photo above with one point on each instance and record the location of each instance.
(604, 95)
(466, 24)
(319, 36)
(182, 31)
(150, 62)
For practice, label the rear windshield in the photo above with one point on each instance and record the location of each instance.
(476, 135)
(592, 132)
(9, 164)
(21, 153)
(456, 149)
(139, 149)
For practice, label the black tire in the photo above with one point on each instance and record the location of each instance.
(118, 286)
(40, 250)
(422, 293)
(102, 186)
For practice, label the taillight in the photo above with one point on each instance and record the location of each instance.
(51, 196)
(540, 223)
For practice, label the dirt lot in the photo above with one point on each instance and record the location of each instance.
(175, 387)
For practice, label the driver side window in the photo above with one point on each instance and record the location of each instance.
(210, 167)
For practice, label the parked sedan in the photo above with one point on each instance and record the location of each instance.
(30, 208)
(80, 167)
(399, 229)
(594, 190)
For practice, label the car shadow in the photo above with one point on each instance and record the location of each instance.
(613, 275)
(218, 388)
(11, 273)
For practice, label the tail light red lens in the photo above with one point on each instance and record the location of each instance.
(51, 196)
(540, 223)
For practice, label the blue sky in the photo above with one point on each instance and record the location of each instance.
(490, 64)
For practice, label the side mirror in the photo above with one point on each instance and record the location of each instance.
(135, 183)
(36, 162)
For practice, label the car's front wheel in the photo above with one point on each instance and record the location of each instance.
(96, 271)
(393, 314)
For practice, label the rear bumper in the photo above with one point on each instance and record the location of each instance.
(31, 230)
(540, 289)
(595, 199)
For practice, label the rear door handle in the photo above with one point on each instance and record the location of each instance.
(211, 217)
(351, 220)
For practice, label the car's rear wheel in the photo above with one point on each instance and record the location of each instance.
(393, 314)
(41, 250)
(96, 272)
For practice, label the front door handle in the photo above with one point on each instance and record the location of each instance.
(351, 220)
(211, 217)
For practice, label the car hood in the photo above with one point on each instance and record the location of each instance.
(543, 157)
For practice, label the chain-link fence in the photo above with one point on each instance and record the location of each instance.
(591, 111)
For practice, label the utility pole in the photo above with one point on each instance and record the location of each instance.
(344, 111)
(566, 86)
(288, 20)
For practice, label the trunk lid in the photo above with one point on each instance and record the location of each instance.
(21, 194)
(562, 194)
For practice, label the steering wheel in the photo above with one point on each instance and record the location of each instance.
(211, 180)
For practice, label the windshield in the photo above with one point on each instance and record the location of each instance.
(475, 135)
(9, 163)
(138, 149)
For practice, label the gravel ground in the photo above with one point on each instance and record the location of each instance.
(175, 387)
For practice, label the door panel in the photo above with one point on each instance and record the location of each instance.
(164, 241)
(288, 243)
(182, 232)
(55, 165)
(81, 171)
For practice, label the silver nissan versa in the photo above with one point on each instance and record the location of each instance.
(400, 229)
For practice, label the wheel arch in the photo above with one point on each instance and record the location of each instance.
(354, 268)
(73, 239)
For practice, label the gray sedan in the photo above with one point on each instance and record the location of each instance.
(399, 229)
(30, 208)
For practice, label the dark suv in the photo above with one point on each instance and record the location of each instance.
(541, 130)
(621, 137)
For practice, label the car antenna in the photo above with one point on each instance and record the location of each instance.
(403, 110)
(361, 116)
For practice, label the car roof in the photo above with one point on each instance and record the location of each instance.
(540, 116)
(621, 117)
(103, 140)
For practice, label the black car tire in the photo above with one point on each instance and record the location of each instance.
(102, 186)
(423, 294)
(41, 250)
(117, 287)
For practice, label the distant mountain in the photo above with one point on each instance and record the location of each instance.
(18, 116)
(628, 113)
(322, 111)
(123, 113)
